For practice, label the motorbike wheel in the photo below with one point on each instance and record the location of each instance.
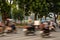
(45, 35)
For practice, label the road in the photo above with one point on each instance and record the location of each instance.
(20, 36)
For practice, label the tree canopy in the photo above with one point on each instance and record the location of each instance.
(41, 7)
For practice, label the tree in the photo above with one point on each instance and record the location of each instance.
(24, 5)
(5, 8)
(36, 6)
(54, 7)
(18, 14)
(41, 7)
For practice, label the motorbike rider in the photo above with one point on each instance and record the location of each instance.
(13, 26)
(31, 27)
(52, 25)
(46, 27)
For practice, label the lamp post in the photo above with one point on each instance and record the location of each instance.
(11, 2)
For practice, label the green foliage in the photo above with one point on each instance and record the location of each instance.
(41, 7)
(5, 7)
(36, 6)
(18, 14)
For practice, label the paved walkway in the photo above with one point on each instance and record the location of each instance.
(20, 36)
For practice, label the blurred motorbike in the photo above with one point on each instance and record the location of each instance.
(29, 30)
(45, 32)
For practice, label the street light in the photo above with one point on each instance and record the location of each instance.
(11, 2)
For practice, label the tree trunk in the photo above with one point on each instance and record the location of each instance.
(4, 16)
(55, 17)
(35, 16)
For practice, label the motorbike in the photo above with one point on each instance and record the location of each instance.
(29, 30)
(46, 32)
